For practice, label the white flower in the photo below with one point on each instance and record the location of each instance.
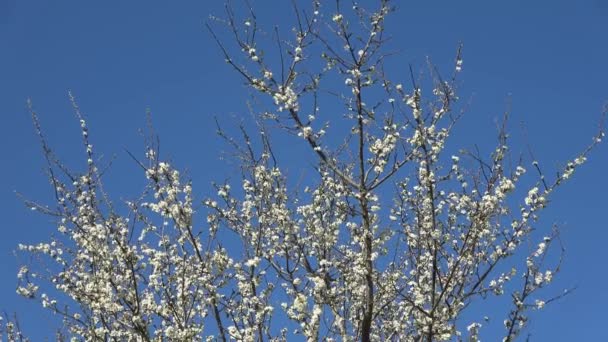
(253, 262)
(540, 304)
(299, 304)
(459, 65)
(306, 132)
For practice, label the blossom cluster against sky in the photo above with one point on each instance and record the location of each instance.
(545, 62)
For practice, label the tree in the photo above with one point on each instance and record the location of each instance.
(329, 260)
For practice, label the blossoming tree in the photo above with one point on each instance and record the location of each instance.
(329, 262)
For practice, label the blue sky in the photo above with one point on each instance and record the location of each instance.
(546, 58)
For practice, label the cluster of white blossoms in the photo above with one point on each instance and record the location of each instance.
(286, 99)
(155, 287)
(10, 330)
(391, 239)
(382, 148)
(252, 54)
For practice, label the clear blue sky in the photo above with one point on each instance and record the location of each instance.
(548, 58)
